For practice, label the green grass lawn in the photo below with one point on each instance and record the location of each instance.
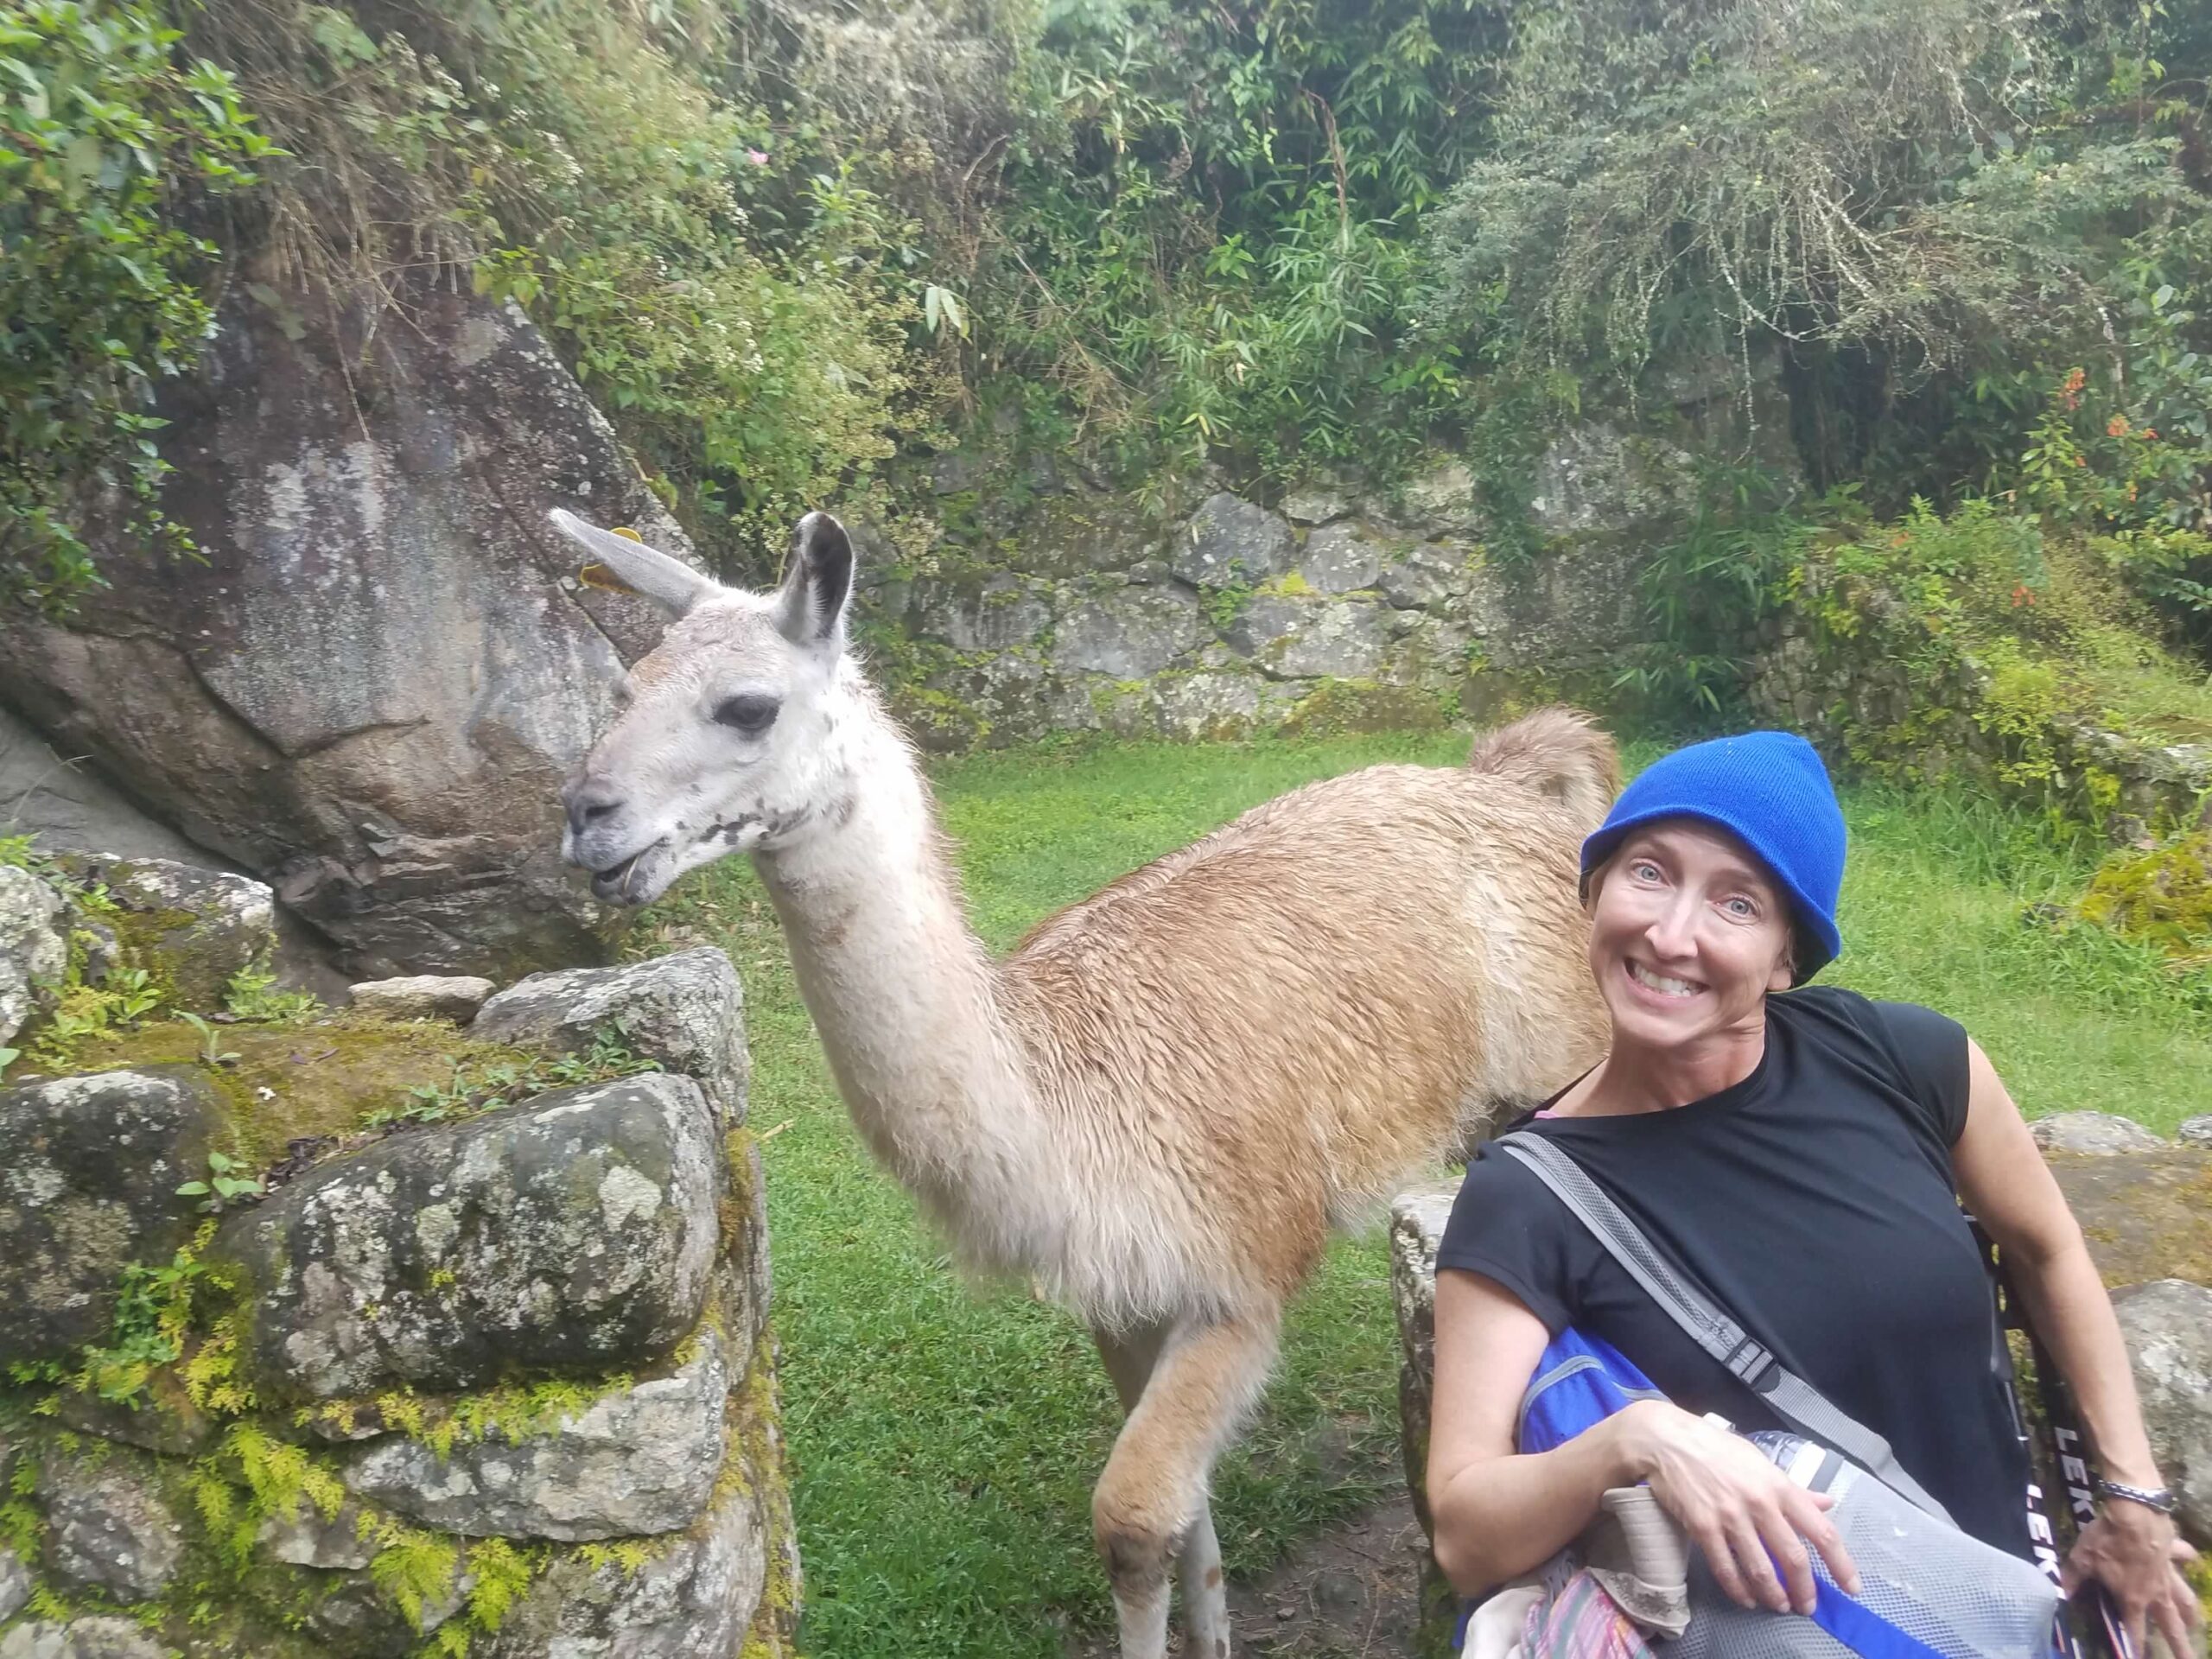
(945, 1437)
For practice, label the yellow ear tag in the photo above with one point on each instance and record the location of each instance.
(599, 576)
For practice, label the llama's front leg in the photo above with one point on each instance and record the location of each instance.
(1206, 1598)
(1151, 1502)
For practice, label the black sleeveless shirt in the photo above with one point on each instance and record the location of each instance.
(1814, 1199)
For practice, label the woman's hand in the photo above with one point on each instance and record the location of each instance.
(2132, 1550)
(1743, 1512)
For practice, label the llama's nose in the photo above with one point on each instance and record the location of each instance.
(588, 800)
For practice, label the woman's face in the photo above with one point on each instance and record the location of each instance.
(1687, 934)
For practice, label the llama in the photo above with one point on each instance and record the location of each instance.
(1156, 1107)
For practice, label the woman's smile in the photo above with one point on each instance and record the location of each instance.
(1666, 985)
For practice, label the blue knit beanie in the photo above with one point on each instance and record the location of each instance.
(1770, 792)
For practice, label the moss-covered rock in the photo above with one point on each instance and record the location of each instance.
(2162, 897)
(89, 1187)
(685, 1011)
(576, 1231)
(1340, 706)
(195, 928)
(639, 1459)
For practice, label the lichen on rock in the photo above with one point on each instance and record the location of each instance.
(685, 1011)
(33, 946)
(576, 1231)
(89, 1186)
(639, 1459)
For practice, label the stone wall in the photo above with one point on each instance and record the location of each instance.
(1037, 600)
(2139, 1200)
(1869, 707)
(381, 1333)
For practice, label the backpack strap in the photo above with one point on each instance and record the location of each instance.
(1707, 1323)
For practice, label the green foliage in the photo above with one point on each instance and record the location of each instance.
(153, 1317)
(212, 1051)
(2162, 897)
(252, 996)
(226, 1183)
(1919, 212)
(1707, 595)
(1212, 248)
(83, 1009)
(106, 130)
(747, 325)
(416, 1569)
(478, 1087)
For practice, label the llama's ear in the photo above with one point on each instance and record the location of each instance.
(811, 608)
(668, 582)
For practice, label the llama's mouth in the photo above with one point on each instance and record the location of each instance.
(626, 884)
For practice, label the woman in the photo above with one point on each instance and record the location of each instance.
(1802, 1152)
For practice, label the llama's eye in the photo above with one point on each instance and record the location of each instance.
(750, 715)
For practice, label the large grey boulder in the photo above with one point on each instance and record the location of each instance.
(89, 1169)
(1209, 705)
(639, 1459)
(1427, 575)
(2167, 1325)
(1129, 632)
(161, 1417)
(107, 1527)
(1317, 506)
(577, 1229)
(34, 944)
(1444, 499)
(106, 1637)
(694, 1598)
(368, 690)
(358, 1619)
(1230, 540)
(686, 1010)
(308, 1537)
(2093, 1134)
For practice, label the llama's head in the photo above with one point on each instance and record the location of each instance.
(723, 743)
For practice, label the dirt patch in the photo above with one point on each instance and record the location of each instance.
(1354, 1593)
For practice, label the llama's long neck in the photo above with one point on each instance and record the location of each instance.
(902, 992)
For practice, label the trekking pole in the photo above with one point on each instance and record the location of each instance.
(2090, 1627)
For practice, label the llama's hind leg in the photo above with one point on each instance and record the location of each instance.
(1151, 1502)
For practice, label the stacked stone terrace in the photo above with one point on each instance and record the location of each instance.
(484, 1370)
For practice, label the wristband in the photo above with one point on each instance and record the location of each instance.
(2160, 1499)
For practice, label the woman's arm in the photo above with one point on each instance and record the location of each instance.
(2002, 1177)
(1499, 1513)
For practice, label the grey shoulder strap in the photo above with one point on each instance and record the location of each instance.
(1792, 1399)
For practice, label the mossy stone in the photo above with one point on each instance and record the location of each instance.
(2161, 898)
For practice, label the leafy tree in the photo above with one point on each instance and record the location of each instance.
(106, 130)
